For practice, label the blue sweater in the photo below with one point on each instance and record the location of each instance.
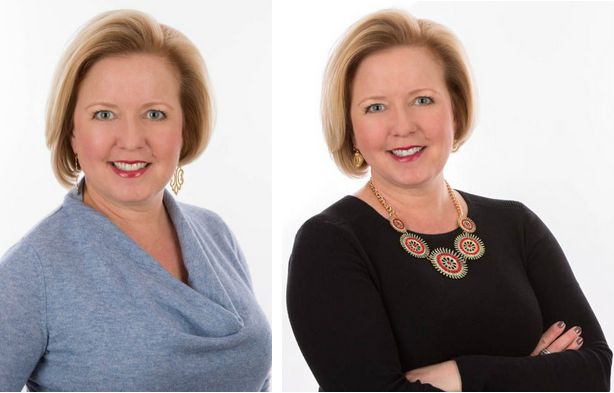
(83, 307)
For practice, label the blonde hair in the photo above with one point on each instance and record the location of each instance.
(122, 32)
(375, 32)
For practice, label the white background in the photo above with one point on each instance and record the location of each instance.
(232, 177)
(544, 136)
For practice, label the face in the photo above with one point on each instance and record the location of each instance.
(128, 127)
(402, 116)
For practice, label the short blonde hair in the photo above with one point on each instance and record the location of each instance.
(123, 32)
(375, 32)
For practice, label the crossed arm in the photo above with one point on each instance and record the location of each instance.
(446, 375)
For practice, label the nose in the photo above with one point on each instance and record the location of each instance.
(403, 123)
(131, 136)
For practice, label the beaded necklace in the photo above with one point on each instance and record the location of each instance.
(450, 263)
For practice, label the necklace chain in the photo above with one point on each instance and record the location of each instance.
(392, 214)
(450, 263)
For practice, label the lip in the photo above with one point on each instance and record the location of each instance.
(405, 147)
(130, 162)
(129, 174)
(411, 158)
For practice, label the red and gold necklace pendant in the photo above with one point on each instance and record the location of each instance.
(450, 263)
(469, 246)
(415, 245)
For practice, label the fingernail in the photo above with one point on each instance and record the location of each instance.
(560, 324)
(579, 340)
(578, 329)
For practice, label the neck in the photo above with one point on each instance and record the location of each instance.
(425, 208)
(431, 196)
(130, 218)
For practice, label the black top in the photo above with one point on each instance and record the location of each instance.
(364, 311)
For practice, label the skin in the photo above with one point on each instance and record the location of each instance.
(128, 109)
(399, 99)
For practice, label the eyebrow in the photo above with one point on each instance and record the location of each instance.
(109, 105)
(410, 93)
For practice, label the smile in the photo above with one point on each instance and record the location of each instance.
(129, 169)
(405, 152)
(124, 166)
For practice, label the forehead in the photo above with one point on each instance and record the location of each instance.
(130, 77)
(399, 69)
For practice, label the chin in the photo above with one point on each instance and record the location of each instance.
(137, 194)
(411, 180)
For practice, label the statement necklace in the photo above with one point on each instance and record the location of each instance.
(450, 263)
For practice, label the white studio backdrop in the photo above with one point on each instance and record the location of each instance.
(544, 74)
(232, 177)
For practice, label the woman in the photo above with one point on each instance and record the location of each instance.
(122, 287)
(410, 284)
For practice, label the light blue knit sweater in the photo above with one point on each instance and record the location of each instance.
(82, 307)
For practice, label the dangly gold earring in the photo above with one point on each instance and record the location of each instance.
(357, 159)
(177, 180)
(455, 146)
(77, 166)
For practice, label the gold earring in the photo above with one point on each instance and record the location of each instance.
(177, 180)
(455, 146)
(357, 159)
(77, 166)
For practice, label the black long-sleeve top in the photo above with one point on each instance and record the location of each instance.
(364, 311)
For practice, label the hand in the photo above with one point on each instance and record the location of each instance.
(444, 375)
(569, 340)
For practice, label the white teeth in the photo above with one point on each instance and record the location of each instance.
(408, 152)
(130, 167)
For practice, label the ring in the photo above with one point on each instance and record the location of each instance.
(545, 351)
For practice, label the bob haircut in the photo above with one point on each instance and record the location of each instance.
(122, 32)
(379, 31)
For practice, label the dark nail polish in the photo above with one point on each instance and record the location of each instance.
(578, 329)
(579, 340)
(561, 324)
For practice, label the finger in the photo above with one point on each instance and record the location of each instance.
(561, 343)
(575, 344)
(549, 337)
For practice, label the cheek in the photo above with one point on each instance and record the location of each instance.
(90, 142)
(367, 132)
(441, 126)
(168, 142)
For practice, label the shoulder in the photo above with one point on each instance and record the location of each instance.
(202, 216)
(207, 222)
(341, 218)
(507, 215)
(52, 232)
(22, 264)
(484, 205)
(337, 230)
(346, 213)
(492, 203)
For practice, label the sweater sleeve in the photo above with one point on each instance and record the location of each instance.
(23, 333)
(338, 316)
(560, 298)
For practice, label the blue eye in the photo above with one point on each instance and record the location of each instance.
(103, 115)
(423, 100)
(156, 115)
(373, 108)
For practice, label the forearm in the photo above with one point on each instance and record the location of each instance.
(587, 369)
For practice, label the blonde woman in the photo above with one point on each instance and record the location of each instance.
(410, 285)
(123, 287)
